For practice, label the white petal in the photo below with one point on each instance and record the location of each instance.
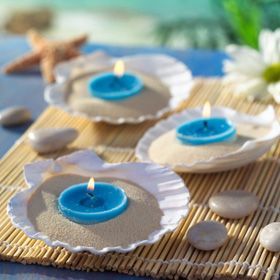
(269, 43)
(242, 52)
(274, 90)
(254, 88)
(245, 60)
(249, 68)
(236, 77)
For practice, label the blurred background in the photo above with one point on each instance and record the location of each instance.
(179, 24)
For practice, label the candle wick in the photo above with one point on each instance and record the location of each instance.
(90, 195)
(205, 123)
(117, 80)
(114, 81)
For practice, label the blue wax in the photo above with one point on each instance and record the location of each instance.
(83, 206)
(205, 131)
(108, 86)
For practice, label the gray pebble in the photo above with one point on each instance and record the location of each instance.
(48, 140)
(270, 237)
(207, 235)
(233, 204)
(14, 116)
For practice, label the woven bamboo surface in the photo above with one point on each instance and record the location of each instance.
(172, 257)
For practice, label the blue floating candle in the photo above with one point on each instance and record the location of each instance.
(206, 130)
(92, 203)
(115, 86)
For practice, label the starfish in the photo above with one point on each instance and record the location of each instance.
(46, 53)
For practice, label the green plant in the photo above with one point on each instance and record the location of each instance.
(245, 20)
(195, 33)
(235, 21)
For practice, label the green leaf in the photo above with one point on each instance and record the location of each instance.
(245, 18)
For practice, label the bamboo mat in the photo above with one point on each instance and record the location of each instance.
(172, 257)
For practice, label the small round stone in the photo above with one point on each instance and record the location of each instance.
(270, 237)
(48, 140)
(207, 235)
(234, 204)
(14, 116)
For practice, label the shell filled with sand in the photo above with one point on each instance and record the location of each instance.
(153, 97)
(255, 136)
(167, 82)
(158, 200)
(136, 223)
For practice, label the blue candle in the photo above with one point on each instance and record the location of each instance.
(115, 86)
(206, 130)
(82, 205)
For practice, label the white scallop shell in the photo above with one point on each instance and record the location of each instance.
(250, 151)
(166, 186)
(171, 72)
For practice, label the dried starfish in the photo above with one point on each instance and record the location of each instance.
(46, 53)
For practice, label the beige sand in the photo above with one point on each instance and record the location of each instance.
(168, 150)
(140, 219)
(154, 97)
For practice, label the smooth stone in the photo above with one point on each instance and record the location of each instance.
(47, 140)
(14, 116)
(233, 204)
(207, 235)
(270, 237)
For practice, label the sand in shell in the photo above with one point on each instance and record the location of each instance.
(141, 218)
(154, 97)
(166, 149)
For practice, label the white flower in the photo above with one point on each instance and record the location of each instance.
(254, 74)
